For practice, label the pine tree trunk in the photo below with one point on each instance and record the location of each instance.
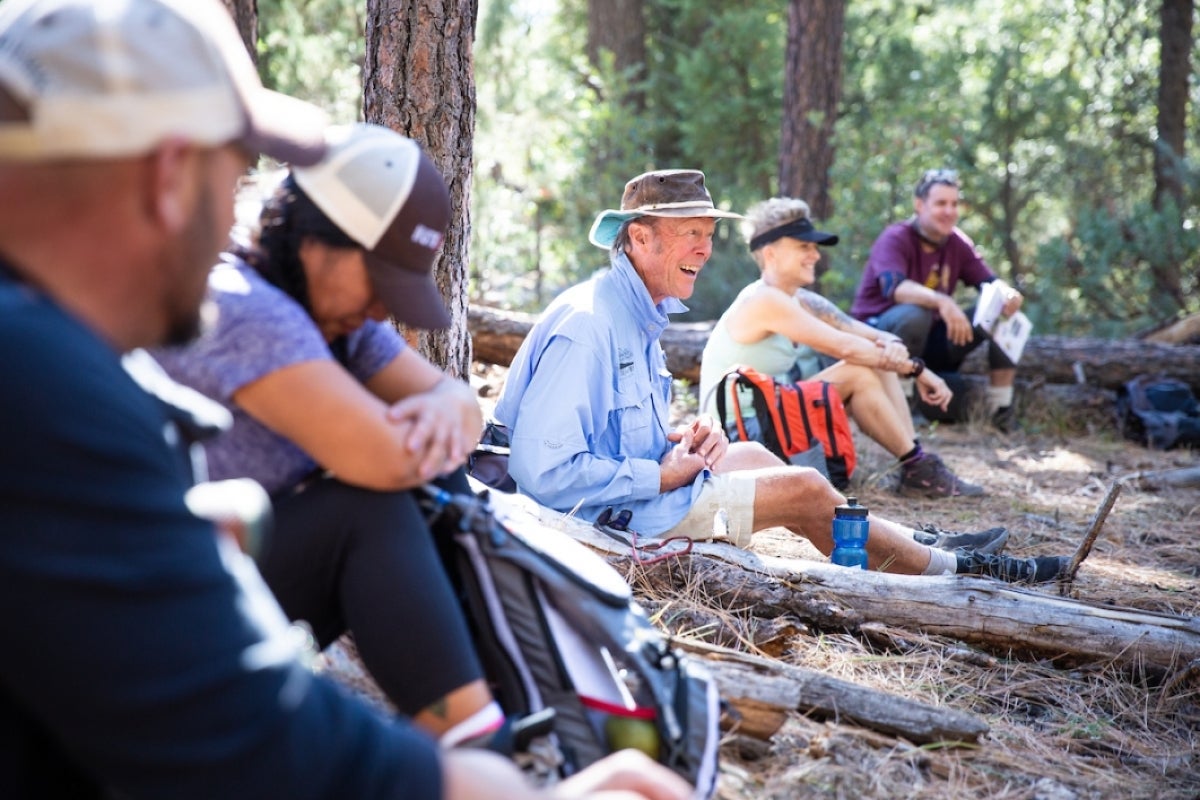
(812, 88)
(418, 80)
(245, 16)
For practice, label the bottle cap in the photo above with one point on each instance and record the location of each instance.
(851, 508)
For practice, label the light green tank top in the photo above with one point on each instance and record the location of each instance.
(774, 355)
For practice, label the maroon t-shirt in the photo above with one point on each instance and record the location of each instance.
(897, 255)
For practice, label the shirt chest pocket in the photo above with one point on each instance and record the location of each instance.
(636, 416)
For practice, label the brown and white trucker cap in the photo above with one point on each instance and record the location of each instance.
(385, 193)
(114, 78)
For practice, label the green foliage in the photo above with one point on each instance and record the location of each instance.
(1048, 110)
(1119, 272)
(313, 49)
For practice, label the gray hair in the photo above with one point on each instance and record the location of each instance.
(933, 177)
(621, 241)
(770, 214)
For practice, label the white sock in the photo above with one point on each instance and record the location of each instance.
(999, 397)
(941, 562)
(482, 722)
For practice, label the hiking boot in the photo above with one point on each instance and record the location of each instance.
(1010, 568)
(1005, 419)
(928, 476)
(990, 541)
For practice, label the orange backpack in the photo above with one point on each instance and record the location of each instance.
(794, 420)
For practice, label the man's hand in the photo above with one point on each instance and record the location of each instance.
(624, 774)
(933, 390)
(958, 328)
(1012, 300)
(708, 440)
(681, 464)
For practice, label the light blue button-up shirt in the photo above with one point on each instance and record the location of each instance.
(587, 404)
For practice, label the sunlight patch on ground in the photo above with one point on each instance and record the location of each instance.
(1058, 459)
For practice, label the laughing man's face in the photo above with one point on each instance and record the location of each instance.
(669, 252)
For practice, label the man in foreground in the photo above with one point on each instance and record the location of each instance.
(587, 405)
(144, 657)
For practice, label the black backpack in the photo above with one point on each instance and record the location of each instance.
(1158, 412)
(557, 628)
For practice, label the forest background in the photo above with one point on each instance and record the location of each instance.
(1070, 123)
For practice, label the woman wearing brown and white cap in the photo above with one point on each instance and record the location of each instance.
(336, 417)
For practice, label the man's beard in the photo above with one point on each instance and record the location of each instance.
(190, 316)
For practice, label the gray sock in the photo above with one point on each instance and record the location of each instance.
(941, 562)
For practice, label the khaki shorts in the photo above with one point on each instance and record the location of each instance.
(732, 493)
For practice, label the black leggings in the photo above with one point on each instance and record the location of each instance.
(345, 558)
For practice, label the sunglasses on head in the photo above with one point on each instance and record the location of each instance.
(932, 177)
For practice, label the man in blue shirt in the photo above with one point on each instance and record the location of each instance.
(143, 655)
(587, 405)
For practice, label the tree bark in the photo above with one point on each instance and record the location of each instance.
(619, 27)
(1174, 71)
(812, 90)
(418, 80)
(1103, 363)
(245, 16)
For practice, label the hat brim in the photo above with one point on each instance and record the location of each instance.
(818, 237)
(608, 222)
(411, 297)
(285, 129)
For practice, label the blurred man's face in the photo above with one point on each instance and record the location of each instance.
(203, 240)
(937, 212)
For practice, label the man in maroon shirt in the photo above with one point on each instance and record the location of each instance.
(908, 288)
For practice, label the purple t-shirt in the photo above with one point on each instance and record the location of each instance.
(260, 330)
(897, 254)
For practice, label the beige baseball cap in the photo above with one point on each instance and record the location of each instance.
(114, 78)
(386, 194)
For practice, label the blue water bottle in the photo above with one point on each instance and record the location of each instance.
(850, 529)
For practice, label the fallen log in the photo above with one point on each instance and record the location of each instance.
(995, 616)
(762, 691)
(1184, 331)
(1104, 363)
(1166, 478)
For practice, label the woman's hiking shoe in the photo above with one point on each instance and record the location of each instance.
(928, 476)
(990, 541)
(1038, 569)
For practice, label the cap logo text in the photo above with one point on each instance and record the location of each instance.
(427, 237)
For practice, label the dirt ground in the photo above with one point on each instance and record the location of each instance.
(1089, 732)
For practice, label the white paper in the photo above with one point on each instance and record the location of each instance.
(1009, 333)
(991, 303)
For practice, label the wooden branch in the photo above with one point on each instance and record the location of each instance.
(1104, 363)
(989, 614)
(1184, 331)
(1089, 538)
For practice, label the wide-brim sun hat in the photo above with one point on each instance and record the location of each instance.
(659, 193)
(383, 192)
(96, 79)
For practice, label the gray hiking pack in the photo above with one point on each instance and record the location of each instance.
(556, 627)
